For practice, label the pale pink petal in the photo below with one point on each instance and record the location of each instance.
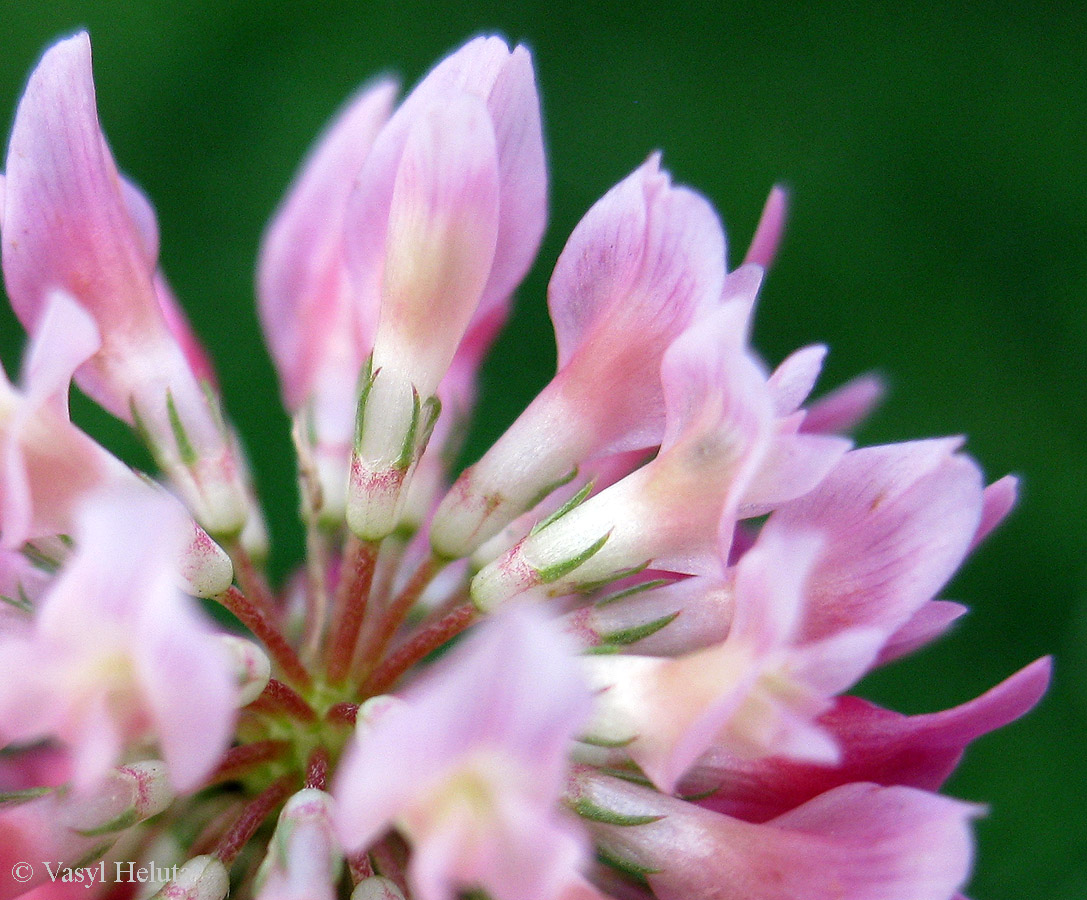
(510, 690)
(877, 745)
(845, 407)
(793, 380)
(67, 225)
(924, 626)
(999, 500)
(771, 227)
(188, 686)
(441, 236)
(857, 841)
(301, 274)
(898, 520)
(66, 337)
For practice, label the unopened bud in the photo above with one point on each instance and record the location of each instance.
(206, 570)
(201, 878)
(377, 888)
(128, 795)
(251, 665)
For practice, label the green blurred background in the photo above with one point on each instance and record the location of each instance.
(936, 159)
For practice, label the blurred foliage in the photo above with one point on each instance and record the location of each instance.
(936, 160)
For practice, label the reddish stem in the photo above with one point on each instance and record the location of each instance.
(238, 761)
(376, 642)
(255, 812)
(210, 834)
(252, 582)
(278, 697)
(317, 770)
(253, 618)
(352, 596)
(425, 641)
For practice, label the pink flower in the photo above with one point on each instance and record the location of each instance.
(116, 657)
(490, 729)
(692, 564)
(72, 224)
(443, 224)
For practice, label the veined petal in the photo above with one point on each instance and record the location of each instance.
(302, 285)
(442, 231)
(877, 745)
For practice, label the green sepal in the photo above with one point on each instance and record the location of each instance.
(602, 650)
(366, 383)
(14, 798)
(605, 742)
(552, 486)
(634, 777)
(39, 559)
(21, 603)
(631, 591)
(637, 632)
(590, 586)
(92, 855)
(570, 504)
(431, 410)
(594, 813)
(139, 427)
(548, 574)
(124, 820)
(185, 449)
(407, 450)
(627, 866)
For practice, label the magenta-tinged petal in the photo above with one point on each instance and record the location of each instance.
(771, 227)
(845, 407)
(923, 627)
(522, 170)
(898, 521)
(302, 285)
(857, 841)
(66, 223)
(646, 260)
(877, 745)
(998, 500)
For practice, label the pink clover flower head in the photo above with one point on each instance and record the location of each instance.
(610, 659)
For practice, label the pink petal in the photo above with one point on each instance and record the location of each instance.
(794, 379)
(899, 519)
(67, 223)
(923, 627)
(771, 227)
(510, 690)
(999, 500)
(845, 407)
(301, 275)
(66, 338)
(877, 745)
(443, 223)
